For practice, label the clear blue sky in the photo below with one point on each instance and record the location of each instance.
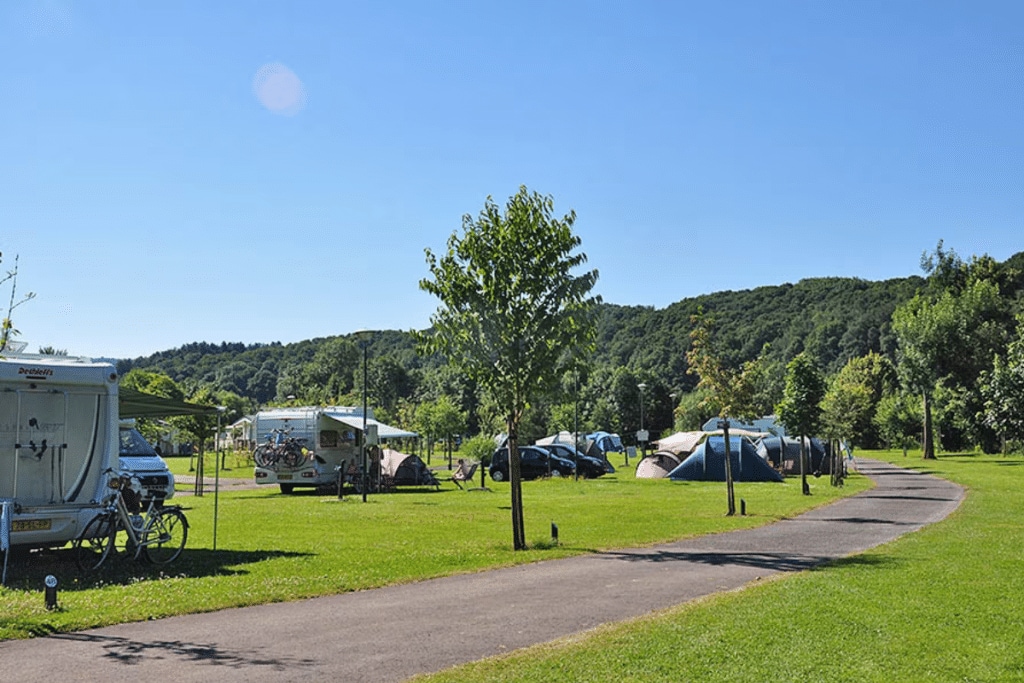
(272, 171)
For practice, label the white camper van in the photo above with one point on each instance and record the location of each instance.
(324, 438)
(58, 438)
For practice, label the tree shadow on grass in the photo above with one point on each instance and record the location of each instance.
(28, 572)
(129, 651)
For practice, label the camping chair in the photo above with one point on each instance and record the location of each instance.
(463, 474)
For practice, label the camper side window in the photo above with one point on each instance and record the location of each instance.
(328, 438)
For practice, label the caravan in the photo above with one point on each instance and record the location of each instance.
(58, 439)
(303, 447)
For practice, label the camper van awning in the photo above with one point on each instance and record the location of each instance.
(132, 403)
(383, 431)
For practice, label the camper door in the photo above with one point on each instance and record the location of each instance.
(52, 445)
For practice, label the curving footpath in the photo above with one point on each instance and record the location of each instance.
(392, 633)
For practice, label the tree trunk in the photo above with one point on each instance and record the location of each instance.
(803, 467)
(928, 440)
(516, 484)
(730, 493)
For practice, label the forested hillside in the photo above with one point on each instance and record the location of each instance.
(833, 320)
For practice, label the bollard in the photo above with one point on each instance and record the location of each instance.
(51, 592)
(743, 507)
(554, 533)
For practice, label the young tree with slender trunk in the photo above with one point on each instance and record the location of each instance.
(512, 308)
(728, 391)
(800, 410)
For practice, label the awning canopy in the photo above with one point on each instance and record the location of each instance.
(132, 403)
(383, 431)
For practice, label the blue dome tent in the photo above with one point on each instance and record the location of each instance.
(707, 463)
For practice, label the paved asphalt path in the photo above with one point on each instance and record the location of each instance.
(390, 634)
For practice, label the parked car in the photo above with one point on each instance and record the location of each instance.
(534, 462)
(138, 458)
(586, 465)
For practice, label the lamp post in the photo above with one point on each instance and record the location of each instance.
(362, 441)
(642, 434)
(216, 480)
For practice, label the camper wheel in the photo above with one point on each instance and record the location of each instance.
(287, 488)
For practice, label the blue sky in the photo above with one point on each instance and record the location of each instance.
(272, 171)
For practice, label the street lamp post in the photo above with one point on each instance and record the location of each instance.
(642, 434)
(216, 480)
(362, 441)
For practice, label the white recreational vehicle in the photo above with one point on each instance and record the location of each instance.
(58, 438)
(325, 438)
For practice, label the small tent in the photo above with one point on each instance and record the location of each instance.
(606, 442)
(405, 469)
(707, 463)
(657, 465)
(562, 437)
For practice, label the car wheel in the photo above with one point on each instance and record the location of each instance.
(556, 474)
(498, 475)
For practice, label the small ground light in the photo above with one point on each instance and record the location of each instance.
(554, 533)
(51, 591)
(743, 507)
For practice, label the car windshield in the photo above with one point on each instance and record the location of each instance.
(133, 443)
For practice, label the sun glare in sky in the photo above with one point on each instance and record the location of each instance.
(278, 89)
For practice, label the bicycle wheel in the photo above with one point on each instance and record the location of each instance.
(264, 455)
(93, 546)
(292, 455)
(165, 535)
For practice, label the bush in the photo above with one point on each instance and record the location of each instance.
(479, 448)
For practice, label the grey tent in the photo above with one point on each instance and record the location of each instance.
(788, 460)
(405, 469)
(707, 463)
(657, 465)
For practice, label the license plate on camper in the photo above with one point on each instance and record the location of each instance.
(31, 525)
(284, 476)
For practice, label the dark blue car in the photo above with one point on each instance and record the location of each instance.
(534, 462)
(586, 465)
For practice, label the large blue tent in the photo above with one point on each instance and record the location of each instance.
(707, 463)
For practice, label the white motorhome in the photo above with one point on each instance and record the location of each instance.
(58, 438)
(329, 436)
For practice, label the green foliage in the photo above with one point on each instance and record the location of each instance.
(898, 418)
(512, 310)
(727, 391)
(479, 448)
(800, 409)
(852, 397)
(1003, 390)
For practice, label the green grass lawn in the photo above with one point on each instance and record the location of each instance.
(272, 547)
(943, 604)
(236, 465)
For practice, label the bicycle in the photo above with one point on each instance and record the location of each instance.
(157, 536)
(279, 448)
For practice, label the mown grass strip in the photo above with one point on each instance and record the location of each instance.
(942, 604)
(272, 547)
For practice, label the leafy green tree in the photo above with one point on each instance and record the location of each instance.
(1003, 390)
(898, 419)
(852, 397)
(511, 309)
(800, 410)
(728, 391)
(950, 336)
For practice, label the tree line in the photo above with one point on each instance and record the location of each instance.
(944, 343)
